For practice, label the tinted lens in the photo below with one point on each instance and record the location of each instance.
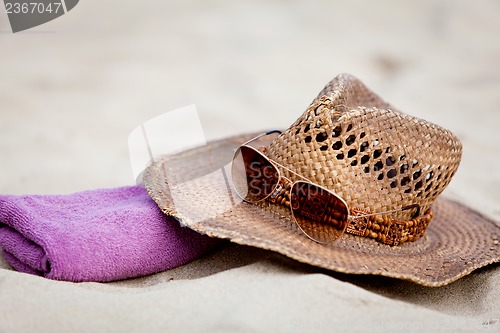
(320, 214)
(254, 176)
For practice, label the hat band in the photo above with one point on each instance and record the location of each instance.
(383, 229)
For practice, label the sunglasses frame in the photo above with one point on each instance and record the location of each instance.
(279, 186)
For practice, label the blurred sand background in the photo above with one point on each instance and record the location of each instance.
(73, 89)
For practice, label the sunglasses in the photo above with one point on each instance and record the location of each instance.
(320, 214)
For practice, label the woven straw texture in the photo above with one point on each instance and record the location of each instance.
(376, 158)
(193, 186)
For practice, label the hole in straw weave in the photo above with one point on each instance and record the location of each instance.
(308, 139)
(402, 157)
(321, 137)
(365, 159)
(378, 166)
(366, 170)
(349, 127)
(350, 140)
(416, 174)
(391, 173)
(363, 146)
(404, 167)
(362, 135)
(377, 153)
(418, 185)
(340, 156)
(323, 148)
(307, 128)
(408, 190)
(337, 145)
(354, 163)
(319, 123)
(351, 153)
(375, 143)
(394, 184)
(429, 176)
(381, 176)
(405, 181)
(336, 131)
(389, 161)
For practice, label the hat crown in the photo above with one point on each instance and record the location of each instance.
(352, 142)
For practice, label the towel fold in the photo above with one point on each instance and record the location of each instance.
(100, 235)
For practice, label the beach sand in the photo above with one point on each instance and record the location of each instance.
(73, 89)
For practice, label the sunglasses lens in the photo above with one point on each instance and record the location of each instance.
(320, 214)
(254, 176)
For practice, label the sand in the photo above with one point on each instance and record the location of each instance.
(72, 90)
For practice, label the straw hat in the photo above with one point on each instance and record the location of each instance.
(374, 157)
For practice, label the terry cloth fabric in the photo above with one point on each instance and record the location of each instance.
(99, 235)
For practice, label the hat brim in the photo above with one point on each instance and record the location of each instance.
(193, 186)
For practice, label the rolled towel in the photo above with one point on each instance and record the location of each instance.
(99, 235)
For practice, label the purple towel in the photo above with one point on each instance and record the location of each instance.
(100, 235)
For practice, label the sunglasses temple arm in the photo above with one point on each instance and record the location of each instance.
(261, 135)
(284, 167)
(392, 211)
